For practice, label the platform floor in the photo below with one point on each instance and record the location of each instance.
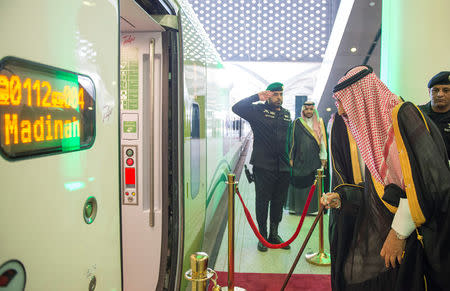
(249, 260)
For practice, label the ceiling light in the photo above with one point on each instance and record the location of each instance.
(353, 49)
(371, 3)
(328, 109)
(89, 3)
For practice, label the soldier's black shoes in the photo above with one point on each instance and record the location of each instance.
(276, 240)
(261, 247)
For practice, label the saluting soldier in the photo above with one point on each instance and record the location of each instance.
(270, 123)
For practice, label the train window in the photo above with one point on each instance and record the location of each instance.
(195, 150)
(195, 129)
(44, 110)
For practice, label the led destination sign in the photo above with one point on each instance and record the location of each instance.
(44, 110)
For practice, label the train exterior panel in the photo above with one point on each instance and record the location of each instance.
(212, 145)
(44, 192)
(67, 221)
(194, 172)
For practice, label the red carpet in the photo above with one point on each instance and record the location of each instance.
(273, 282)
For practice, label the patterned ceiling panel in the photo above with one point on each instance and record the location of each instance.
(267, 30)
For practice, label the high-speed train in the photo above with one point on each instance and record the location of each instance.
(116, 140)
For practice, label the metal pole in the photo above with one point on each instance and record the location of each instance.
(231, 183)
(300, 252)
(321, 258)
(319, 195)
(151, 213)
(231, 187)
(199, 274)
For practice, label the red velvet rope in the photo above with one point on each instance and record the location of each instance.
(255, 229)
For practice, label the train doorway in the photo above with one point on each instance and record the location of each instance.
(149, 155)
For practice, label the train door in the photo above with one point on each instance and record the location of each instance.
(144, 93)
(194, 86)
(59, 209)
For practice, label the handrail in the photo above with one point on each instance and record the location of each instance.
(152, 133)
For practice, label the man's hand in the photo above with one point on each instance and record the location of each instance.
(291, 162)
(331, 200)
(264, 95)
(393, 249)
(324, 163)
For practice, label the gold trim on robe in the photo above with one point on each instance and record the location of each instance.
(311, 132)
(354, 159)
(356, 168)
(346, 184)
(292, 140)
(309, 129)
(379, 188)
(324, 133)
(332, 158)
(410, 189)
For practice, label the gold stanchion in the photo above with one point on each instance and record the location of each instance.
(231, 184)
(199, 273)
(320, 258)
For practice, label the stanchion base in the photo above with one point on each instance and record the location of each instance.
(234, 289)
(319, 259)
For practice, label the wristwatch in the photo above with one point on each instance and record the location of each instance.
(399, 236)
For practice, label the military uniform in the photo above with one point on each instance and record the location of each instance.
(442, 121)
(269, 159)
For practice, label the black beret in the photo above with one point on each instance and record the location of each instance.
(442, 78)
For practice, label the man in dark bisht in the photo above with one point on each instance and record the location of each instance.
(400, 235)
(270, 123)
(307, 154)
(346, 173)
(438, 109)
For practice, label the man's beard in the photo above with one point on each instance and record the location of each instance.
(274, 104)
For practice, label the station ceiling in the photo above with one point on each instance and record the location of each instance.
(362, 32)
(268, 30)
(294, 31)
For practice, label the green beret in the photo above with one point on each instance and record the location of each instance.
(442, 78)
(277, 86)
